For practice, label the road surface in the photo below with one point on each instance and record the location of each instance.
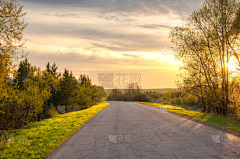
(127, 130)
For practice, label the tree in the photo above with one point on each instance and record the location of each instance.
(68, 85)
(205, 46)
(11, 28)
(169, 95)
(132, 88)
(101, 94)
(51, 75)
(84, 80)
(52, 70)
(116, 95)
(23, 71)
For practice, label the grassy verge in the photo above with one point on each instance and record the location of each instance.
(39, 139)
(209, 118)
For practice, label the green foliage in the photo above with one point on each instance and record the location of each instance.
(116, 95)
(10, 41)
(52, 70)
(189, 99)
(101, 94)
(168, 95)
(179, 101)
(38, 139)
(68, 84)
(22, 107)
(39, 94)
(52, 111)
(141, 97)
(206, 44)
(84, 80)
(155, 95)
(134, 95)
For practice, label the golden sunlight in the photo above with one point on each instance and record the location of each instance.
(232, 67)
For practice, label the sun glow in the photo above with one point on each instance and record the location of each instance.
(232, 66)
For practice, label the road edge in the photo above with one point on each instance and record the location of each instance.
(206, 124)
(65, 142)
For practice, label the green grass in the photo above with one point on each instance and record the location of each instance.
(39, 139)
(209, 118)
(160, 105)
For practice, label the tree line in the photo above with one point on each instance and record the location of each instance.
(137, 94)
(28, 93)
(205, 45)
(35, 94)
(133, 92)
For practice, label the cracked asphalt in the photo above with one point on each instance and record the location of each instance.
(127, 130)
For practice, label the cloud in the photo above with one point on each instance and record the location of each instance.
(105, 44)
(94, 60)
(143, 7)
(127, 39)
(133, 55)
(154, 26)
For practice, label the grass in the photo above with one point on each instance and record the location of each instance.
(159, 105)
(219, 121)
(39, 139)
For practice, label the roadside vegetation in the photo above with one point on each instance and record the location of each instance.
(37, 94)
(40, 138)
(133, 93)
(207, 45)
(216, 120)
(27, 92)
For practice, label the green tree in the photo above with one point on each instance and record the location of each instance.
(23, 71)
(68, 84)
(84, 80)
(51, 75)
(52, 69)
(205, 46)
(168, 95)
(101, 94)
(11, 29)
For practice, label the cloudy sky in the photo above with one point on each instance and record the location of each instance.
(120, 40)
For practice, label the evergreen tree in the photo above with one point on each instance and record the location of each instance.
(22, 72)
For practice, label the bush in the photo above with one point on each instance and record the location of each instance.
(52, 111)
(179, 101)
(190, 100)
(22, 108)
(173, 100)
(142, 97)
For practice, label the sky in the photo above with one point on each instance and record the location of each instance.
(114, 42)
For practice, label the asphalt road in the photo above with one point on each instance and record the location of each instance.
(130, 130)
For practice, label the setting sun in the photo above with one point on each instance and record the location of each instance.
(119, 79)
(232, 67)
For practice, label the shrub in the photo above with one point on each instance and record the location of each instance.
(22, 108)
(52, 111)
(142, 97)
(179, 101)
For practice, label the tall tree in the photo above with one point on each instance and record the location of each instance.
(11, 28)
(23, 71)
(52, 69)
(51, 75)
(68, 85)
(84, 80)
(205, 46)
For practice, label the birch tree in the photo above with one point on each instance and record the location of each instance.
(205, 45)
